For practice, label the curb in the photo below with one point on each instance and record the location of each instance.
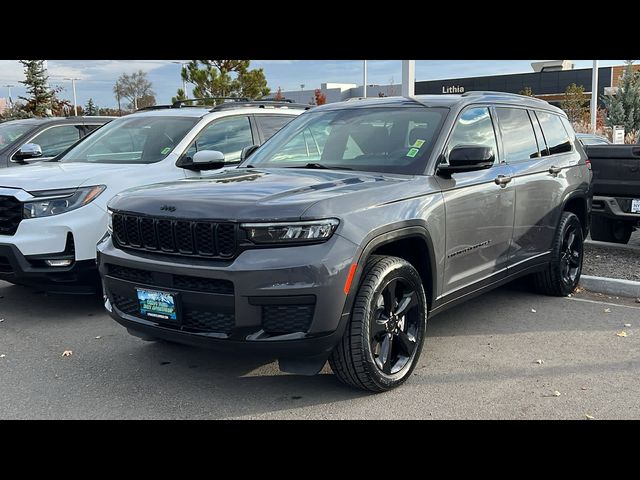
(620, 246)
(611, 286)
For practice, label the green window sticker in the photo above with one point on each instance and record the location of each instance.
(165, 150)
(412, 152)
(418, 143)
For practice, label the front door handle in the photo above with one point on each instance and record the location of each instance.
(554, 170)
(502, 180)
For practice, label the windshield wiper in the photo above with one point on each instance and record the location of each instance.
(319, 166)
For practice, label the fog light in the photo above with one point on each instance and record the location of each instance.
(58, 263)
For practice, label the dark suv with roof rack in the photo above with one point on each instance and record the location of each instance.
(36, 139)
(343, 233)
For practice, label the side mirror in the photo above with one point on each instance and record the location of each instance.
(27, 151)
(247, 151)
(203, 160)
(468, 158)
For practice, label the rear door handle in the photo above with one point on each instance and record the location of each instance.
(502, 180)
(554, 170)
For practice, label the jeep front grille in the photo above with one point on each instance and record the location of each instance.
(177, 237)
(10, 215)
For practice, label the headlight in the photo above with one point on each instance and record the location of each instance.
(55, 202)
(291, 232)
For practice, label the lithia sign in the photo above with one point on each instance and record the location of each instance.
(452, 89)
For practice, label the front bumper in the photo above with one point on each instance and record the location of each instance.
(79, 277)
(285, 301)
(618, 208)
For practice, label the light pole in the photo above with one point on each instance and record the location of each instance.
(301, 92)
(184, 82)
(10, 99)
(408, 77)
(75, 103)
(594, 96)
(364, 79)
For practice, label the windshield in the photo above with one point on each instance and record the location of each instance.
(9, 132)
(376, 139)
(143, 139)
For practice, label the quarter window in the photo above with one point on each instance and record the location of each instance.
(474, 127)
(518, 138)
(554, 132)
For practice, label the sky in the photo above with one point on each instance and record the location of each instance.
(97, 77)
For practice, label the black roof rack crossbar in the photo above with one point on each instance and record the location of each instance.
(261, 104)
(179, 103)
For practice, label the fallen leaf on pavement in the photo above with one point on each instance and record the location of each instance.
(583, 388)
(621, 334)
(554, 394)
(578, 290)
(98, 337)
(607, 310)
(539, 362)
(1, 320)
(627, 324)
(589, 417)
(533, 310)
(2, 355)
(67, 353)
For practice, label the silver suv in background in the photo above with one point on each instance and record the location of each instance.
(340, 236)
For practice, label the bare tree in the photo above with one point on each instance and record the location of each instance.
(134, 87)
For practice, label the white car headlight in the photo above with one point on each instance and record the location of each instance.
(291, 232)
(55, 202)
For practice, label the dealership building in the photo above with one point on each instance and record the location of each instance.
(547, 81)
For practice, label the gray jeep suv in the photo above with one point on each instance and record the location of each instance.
(344, 232)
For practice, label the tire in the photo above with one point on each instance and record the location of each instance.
(562, 275)
(606, 229)
(370, 356)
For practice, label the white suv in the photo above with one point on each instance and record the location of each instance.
(52, 214)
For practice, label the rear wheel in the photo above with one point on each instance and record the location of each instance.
(384, 338)
(610, 230)
(562, 275)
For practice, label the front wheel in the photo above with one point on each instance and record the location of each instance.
(562, 275)
(383, 341)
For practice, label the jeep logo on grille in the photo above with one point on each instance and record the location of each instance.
(168, 208)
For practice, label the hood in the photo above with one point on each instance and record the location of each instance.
(248, 194)
(52, 175)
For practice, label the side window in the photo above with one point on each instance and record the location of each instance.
(270, 124)
(554, 132)
(474, 127)
(542, 143)
(518, 138)
(90, 128)
(227, 135)
(54, 140)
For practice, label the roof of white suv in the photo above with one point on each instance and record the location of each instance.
(179, 109)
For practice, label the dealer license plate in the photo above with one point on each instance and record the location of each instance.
(635, 205)
(156, 304)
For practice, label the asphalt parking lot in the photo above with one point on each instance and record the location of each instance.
(479, 362)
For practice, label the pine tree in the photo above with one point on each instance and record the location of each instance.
(623, 108)
(527, 92)
(90, 108)
(225, 78)
(180, 95)
(36, 82)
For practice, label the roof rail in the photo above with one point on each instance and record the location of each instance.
(179, 103)
(502, 94)
(260, 104)
(153, 107)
